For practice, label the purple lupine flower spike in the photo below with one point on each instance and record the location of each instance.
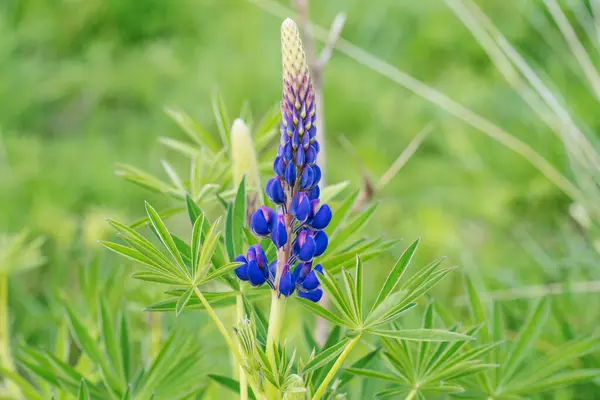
(297, 227)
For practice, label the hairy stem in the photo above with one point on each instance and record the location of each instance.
(239, 308)
(275, 321)
(5, 357)
(232, 347)
(338, 363)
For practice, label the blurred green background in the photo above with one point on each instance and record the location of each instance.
(84, 83)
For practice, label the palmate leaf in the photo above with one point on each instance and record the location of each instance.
(325, 356)
(418, 367)
(396, 273)
(423, 335)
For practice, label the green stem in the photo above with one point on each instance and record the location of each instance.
(6, 360)
(411, 395)
(232, 347)
(275, 321)
(239, 303)
(338, 363)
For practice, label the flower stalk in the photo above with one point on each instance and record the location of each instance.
(338, 363)
(232, 347)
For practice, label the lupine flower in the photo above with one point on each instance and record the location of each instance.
(297, 227)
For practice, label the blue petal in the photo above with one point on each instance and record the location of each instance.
(259, 223)
(317, 146)
(296, 139)
(307, 177)
(288, 152)
(317, 176)
(242, 272)
(255, 274)
(300, 157)
(321, 241)
(300, 207)
(275, 191)
(322, 217)
(314, 193)
(261, 257)
(311, 155)
(286, 284)
(279, 166)
(279, 235)
(314, 295)
(312, 132)
(318, 268)
(290, 174)
(307, 251)
(311, 282)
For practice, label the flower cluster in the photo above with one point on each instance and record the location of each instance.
(296, 228)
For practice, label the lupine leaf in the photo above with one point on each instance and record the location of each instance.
(527, 336)
(431, 335)
(396, 273)
(424, 346)
(216, 300)
(197, 239)
(477, 308)
(392, 392)
(194, 130)
(559, 380)
(184, 249)
(90, 348)
(360, 363)
(193, 209)
(125, 347)
(331, 191)
(208, 249)
(222, 117)
(84, 393)
(165, 236)
(350, 287)
(157, 278)
(142, 245)
(25, 387)
(222, 270)
(359, 286)
(373, 374)
(184, 148)
(183, 300)
(322, 312)
(109, 334)
(332, 287)
(173, 176)
(128, 394)
(163, 214)
(343, 234)
(325, 356)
